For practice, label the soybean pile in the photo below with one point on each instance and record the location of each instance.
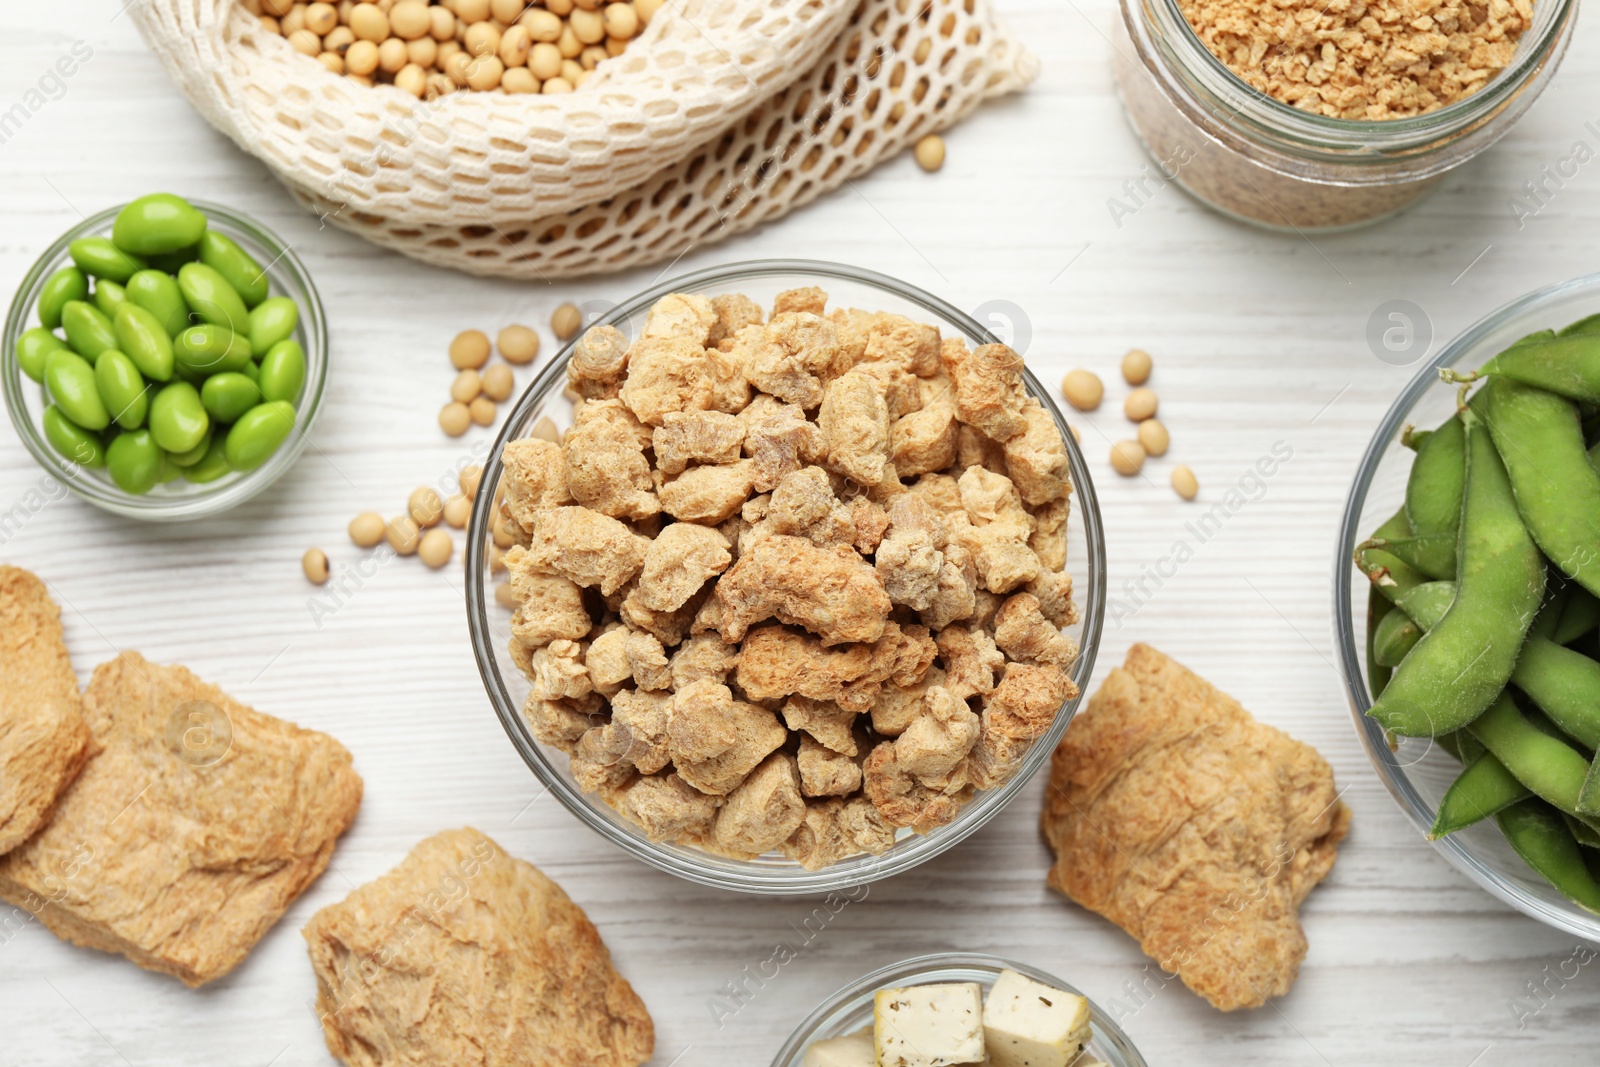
(1485, 603)
(177, 362)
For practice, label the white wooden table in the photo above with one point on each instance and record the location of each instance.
(1258, 339)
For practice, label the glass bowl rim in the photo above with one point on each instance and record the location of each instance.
(1386, 137)
(1105, 1027)
(189, 506)
(782, 882)
(1351, 658)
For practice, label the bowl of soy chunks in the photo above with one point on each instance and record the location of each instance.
(1474, 528)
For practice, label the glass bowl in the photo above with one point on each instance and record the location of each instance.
(850, 1009)
(176, 500)
(490, 624)
(1416, 771)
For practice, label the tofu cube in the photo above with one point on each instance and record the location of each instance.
(1030, 1024)
(852, 1050)
(929, 1025)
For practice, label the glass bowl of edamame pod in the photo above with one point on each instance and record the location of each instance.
(505, 643)
(165, 359)
(1465, 603)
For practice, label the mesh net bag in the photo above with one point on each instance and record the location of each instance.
(714, 120)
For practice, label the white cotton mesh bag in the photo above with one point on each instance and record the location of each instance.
(723, 114)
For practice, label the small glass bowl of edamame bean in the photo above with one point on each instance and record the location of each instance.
(192, 421)
(1418, 771)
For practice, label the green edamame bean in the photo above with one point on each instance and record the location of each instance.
(1581, 615)
(1396, 636)
(99, 257)
(1432, 555)
(1556, 487)
(177, 418)
(170, 471)
(213, 465)
(1389, 575)
(258, 433)
(1482, 789)
(1591, 324)
(158, 293)
(141, 338)
(228, 396)
(222, 254)
(68, 283)
(157, 223)
(283, 371)
(71, 440)
(1464, 661)
(252, 370)
(134, 462)
(33, 351)
(272, 321)
(88, 330)
(172, 262)
(1378, 609)
(1540, 836)
(195, 454)
(122, 389)
(70, 379)
(1551, 769)
(211, 299)
(210, 349)
(1567, 365)
(108, 296)
(1433, 490)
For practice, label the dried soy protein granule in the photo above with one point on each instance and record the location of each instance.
(1352, 60)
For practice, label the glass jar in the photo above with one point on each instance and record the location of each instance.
(1262, 161)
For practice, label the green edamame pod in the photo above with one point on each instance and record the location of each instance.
(1582, 832)
(1540, 836)
(1551, 769)
(71, 440)
(1433, 490)
(1567, 365)
(211, 299)
(157, 223)
(134, 462)
(68, 283)
(99, 257)
(141, 338)
(1581, 615)
(1432, 555)
(177, 418)
(70, 379)
(88, 330)
(258, 433)
(194, 455)
(1482, 789)
(122, 389)
(108, 296)
(33, 351)
(1556, 487)
(1464, 661)
(1397, 635)
(1413, 438)
(222, 254)
(1378, 609)
(1426, 604)
(272, 321)
(210, 349)
(1388, 574)
(283, 371)
(213, 465)
(158, 293)
(228, 396)
(1591, 324)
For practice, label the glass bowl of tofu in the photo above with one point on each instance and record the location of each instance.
(958, 1008)
(519, 676)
